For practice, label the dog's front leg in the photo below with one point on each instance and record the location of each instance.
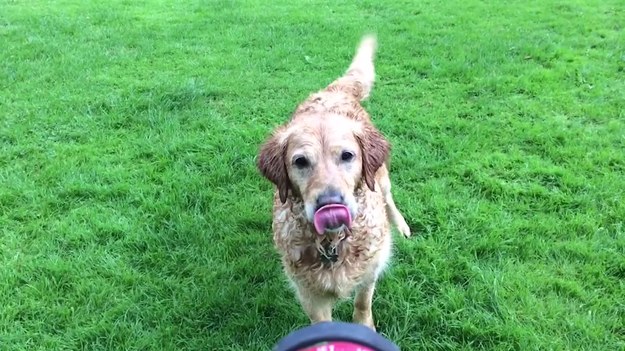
(362, 305)
(317, 307)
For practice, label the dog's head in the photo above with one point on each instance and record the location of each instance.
(322, 157)
(323, 160)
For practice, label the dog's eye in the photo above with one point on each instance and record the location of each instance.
(347, 156)
(301, 162)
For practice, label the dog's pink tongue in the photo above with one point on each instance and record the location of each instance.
(331, 217)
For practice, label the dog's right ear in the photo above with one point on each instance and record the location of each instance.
(375, 152)
(272, 165)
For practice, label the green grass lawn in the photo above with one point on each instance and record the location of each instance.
(132, 216)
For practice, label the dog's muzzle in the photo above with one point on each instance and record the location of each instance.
(331, 212)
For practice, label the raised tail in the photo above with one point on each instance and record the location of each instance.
(359, 77)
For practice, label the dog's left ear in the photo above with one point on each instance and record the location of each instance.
(271, 163)
(375, 152)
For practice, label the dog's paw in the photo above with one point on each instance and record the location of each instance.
(367, 322)
(363, 317)
(403, 228)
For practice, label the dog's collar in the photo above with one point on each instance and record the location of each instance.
(329, 248)
(329, 254)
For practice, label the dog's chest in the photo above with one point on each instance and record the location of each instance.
(322, 262)
(331, 269)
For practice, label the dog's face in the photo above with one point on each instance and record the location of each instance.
(323, 160)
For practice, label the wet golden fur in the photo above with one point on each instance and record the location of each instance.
(323, 128)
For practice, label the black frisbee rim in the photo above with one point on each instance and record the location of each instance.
(334, 331)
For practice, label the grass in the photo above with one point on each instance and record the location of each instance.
(132, 216)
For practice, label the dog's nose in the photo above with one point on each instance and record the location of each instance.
(329, 197)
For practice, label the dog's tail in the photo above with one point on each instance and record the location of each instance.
(359, 77)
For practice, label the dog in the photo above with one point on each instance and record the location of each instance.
(332, 206)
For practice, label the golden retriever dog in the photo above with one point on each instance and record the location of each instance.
(332, 207)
